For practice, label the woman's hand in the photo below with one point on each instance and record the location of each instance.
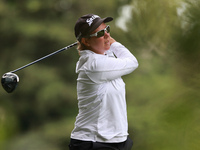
(112, 40)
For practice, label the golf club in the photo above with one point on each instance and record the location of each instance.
(10, 80)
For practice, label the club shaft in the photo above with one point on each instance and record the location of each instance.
(58, 51)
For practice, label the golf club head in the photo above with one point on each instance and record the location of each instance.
(9, 81)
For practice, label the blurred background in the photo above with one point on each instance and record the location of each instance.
(163, 95)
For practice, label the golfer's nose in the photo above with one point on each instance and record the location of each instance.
(106, 34)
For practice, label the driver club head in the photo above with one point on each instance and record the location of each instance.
(9, 81)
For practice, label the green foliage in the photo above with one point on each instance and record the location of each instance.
(162, 94)
(188, 44)
(164, 115)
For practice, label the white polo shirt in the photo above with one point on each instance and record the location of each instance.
(102, 113)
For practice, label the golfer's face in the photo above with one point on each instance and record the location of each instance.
(101, 44)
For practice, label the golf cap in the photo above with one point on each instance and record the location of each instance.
(88, 23)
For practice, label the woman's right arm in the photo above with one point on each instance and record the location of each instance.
(108, 68)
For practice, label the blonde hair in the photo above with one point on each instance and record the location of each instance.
(82, 46)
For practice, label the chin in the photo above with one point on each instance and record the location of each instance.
(107, 47)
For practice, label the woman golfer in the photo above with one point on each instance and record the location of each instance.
(101, 123)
